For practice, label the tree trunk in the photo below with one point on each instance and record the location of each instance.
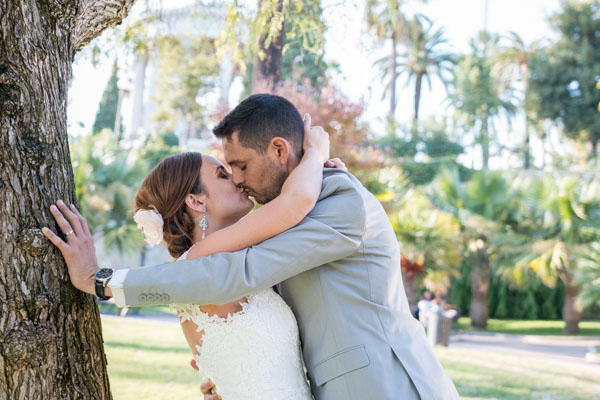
(527, 149)
(393, 74)
(480, 283)
(267, 62)
(136, 130)
(418, 84)
(117, 128)
(485, 141)
(527, 154)
(50, 333)
(410, 288)
(544, 139)
(594, 152)
(571, 313)
(393, 79)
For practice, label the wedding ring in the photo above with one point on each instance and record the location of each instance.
(69, 233)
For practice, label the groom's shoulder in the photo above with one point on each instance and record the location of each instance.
(341, 204)
(338, 182)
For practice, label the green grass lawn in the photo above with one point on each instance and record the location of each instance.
(479, 375)
(112, 309)
(525, 327)
(149, 360)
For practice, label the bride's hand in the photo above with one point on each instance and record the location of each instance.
(316, 140)
(335, 163)
(207, 389)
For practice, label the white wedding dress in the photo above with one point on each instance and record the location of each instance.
(252, 354)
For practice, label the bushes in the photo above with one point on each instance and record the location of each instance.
(533, 301)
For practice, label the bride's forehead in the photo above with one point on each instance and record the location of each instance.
(211, 162)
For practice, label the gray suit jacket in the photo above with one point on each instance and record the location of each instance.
(339, 270)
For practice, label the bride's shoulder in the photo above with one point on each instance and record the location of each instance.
(184, 255)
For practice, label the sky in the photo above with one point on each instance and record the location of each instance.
(347, 44)
(461, 20)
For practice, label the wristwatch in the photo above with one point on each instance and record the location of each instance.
(103, 275)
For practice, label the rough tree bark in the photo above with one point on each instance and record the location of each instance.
(480, 284)
(571, 313)
(267, 67)
(410, 288)
(50, 333)
(484, 138)
(418, 85)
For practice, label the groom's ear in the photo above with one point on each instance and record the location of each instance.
(280, 149)
(196, 202)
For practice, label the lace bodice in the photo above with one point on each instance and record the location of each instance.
(252, 354)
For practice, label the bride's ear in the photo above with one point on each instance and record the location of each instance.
(196, 202)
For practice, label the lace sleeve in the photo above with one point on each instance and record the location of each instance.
(184, 311)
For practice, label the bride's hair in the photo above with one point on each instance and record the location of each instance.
(165, 189)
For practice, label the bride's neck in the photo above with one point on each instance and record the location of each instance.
(212, 226)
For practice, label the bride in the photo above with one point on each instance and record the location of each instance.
(248, 348)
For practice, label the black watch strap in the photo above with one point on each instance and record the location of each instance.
(100, 290)
(101, 278)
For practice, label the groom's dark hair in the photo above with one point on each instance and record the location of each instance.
(260, 118)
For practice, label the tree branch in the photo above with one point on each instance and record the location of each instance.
(94, 16)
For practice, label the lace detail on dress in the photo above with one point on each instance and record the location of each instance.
(253, 353)
(192, 312)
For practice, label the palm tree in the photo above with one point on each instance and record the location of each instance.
(106, 179)
(512, 60)
(429, 242)
(424, 56)
(587, 277)
(478, 95)
(598, 87)
(482, 208)
(562, 222)
(384, 19)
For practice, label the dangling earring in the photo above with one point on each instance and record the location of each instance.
(203, 224)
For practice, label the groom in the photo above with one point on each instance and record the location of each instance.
(339, 269)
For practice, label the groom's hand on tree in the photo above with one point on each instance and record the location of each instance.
(78, 250)
(207, 389)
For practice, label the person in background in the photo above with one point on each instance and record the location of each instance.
(424, 305)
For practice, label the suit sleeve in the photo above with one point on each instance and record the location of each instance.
(333, 230)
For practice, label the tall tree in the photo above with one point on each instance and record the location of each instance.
(513, 59)
(386, 21)
(303, 47)
(430, 243)
(424, 56)
(284, 35)
(598, 87)
(587, 278)
(50, 336)
(267, 59)
(564, 75)
(482, 208)
(189, 69)
(106, 179)
(561, 222)
(478, 95)
(109, 103)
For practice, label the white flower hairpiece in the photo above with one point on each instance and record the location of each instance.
(151, 223)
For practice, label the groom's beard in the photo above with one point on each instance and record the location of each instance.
(272, 187)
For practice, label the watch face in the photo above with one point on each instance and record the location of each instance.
(104, 273)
